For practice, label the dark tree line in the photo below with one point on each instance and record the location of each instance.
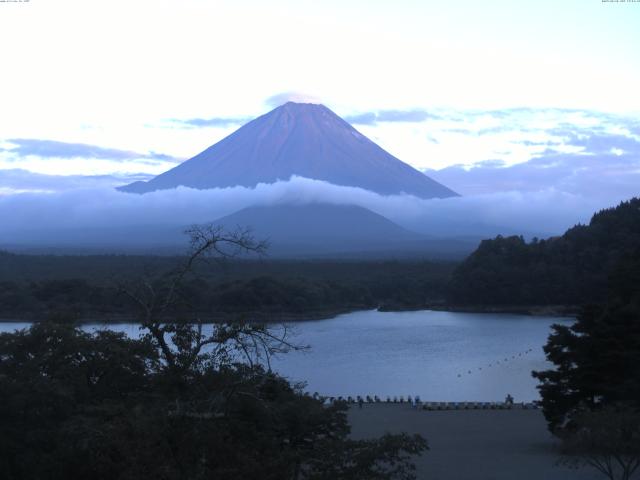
(568, 270)
(263, 295)
(260, 289)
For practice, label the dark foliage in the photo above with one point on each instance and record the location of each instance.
(79, 405)
(87, 287)
(567, 270)
(596, 359)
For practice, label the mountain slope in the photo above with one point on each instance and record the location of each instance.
(321, 228)
(307, 140)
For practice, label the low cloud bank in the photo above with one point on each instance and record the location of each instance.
(16, 180)
(28, 217)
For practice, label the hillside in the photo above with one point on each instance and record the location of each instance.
(322, 228)
(572, 269)
(85, 286)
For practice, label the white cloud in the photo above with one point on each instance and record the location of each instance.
(27, 216)
(284, 97)
(586, 161)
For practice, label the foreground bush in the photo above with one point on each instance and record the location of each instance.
(102, 406)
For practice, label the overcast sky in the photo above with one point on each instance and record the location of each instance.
(486, 96)
(117, 74)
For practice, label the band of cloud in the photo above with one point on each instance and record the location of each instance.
(55, 149)
(220, 122)
(372, 118)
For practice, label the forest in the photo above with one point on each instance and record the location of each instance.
(571, 269)
(90, 287)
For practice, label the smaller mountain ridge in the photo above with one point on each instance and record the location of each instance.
(314, 230)
(320, 228)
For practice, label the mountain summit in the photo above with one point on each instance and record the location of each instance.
(303, 139)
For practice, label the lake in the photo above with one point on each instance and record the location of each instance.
(440, 356)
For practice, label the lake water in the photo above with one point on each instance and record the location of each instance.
(440, 356)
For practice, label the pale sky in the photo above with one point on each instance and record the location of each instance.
(125, 75)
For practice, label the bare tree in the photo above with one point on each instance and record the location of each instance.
(607, 440)
(185, 344)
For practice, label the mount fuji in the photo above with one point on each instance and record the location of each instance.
(302, 139)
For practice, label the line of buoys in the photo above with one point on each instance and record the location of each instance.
(497, 362)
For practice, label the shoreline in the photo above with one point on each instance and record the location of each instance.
(212, 318)
(533, 310)
(569, 311)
